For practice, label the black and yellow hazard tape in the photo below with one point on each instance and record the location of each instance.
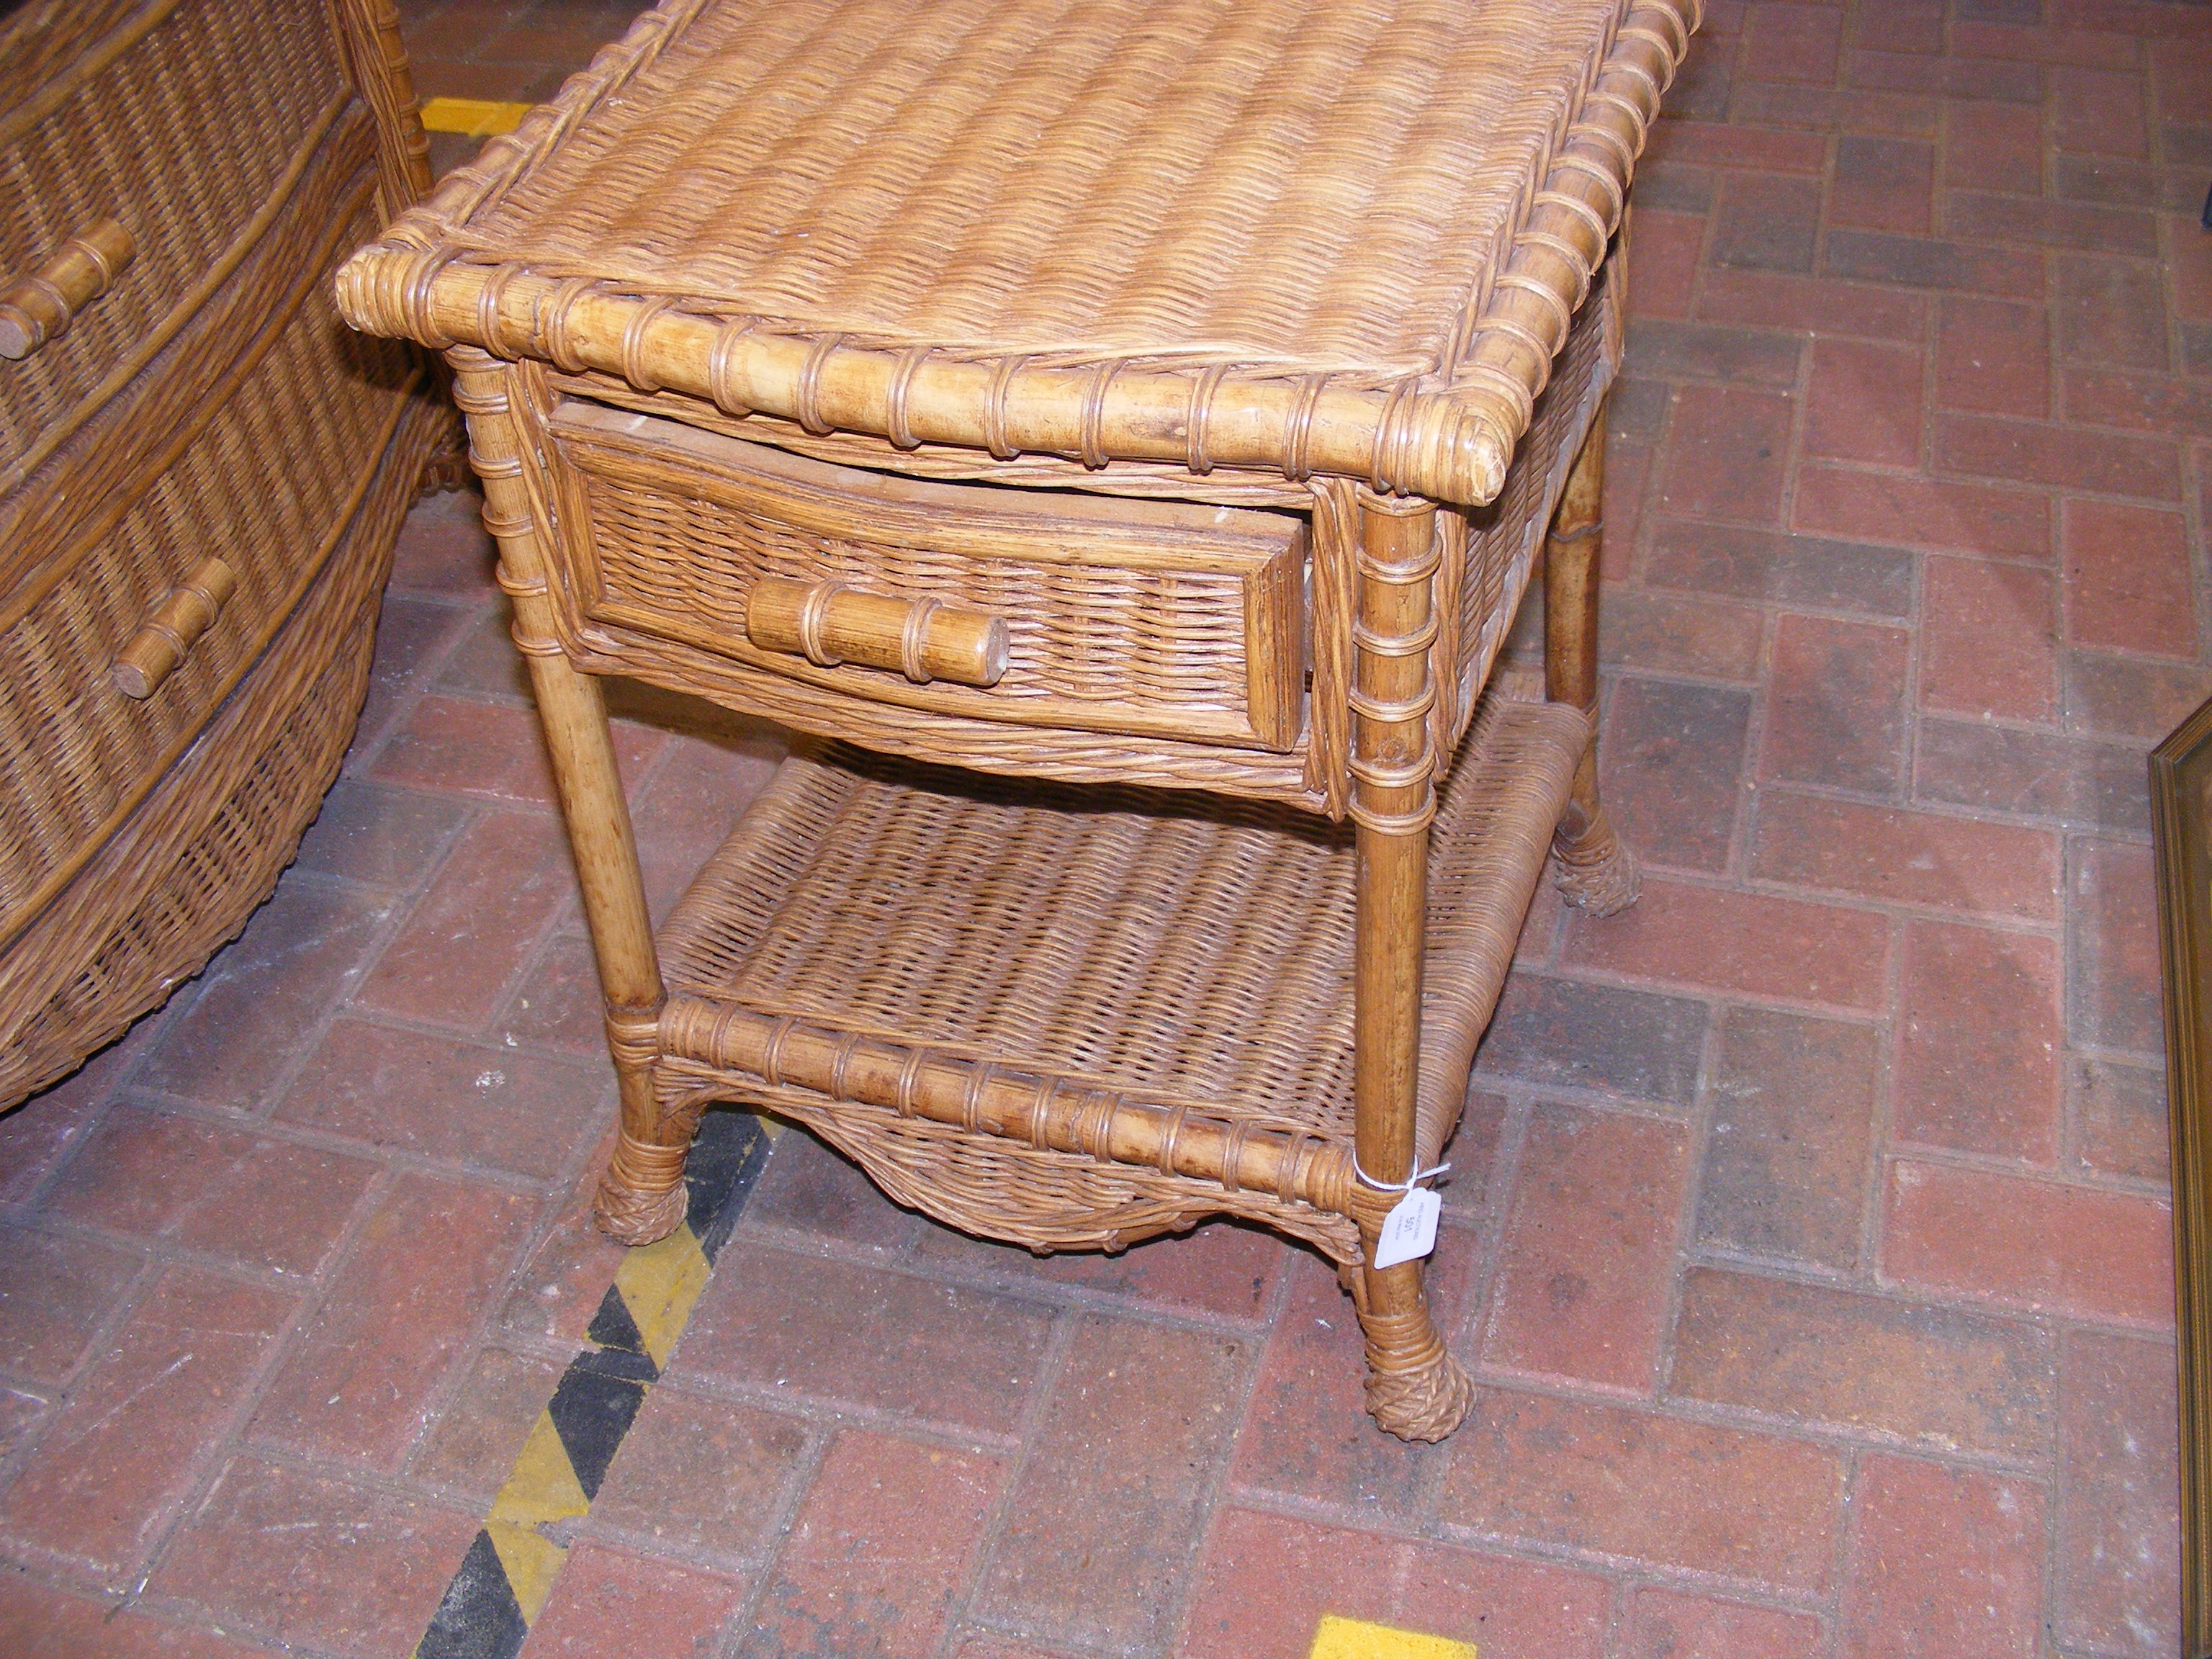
(507, 1576)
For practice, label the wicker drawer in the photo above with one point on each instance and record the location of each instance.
(1037, 609)
(97, 701)
(181, 872)
(179, 122)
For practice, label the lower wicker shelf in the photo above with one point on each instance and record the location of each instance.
(1075, 1018)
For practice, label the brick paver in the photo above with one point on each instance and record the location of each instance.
(1806, 1235)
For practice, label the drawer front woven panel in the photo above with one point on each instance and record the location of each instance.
(150, 902)
(78, 749)
(202, 473)
(1234, 668)
(1122, 433)
(1118, 616)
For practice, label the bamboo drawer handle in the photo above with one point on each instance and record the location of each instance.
(829, 624)
(39, 308)
(160, 644)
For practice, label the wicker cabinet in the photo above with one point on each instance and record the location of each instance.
(202, 474)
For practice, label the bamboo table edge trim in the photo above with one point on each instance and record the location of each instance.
(1447, 443)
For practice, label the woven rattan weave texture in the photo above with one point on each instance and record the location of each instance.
(1312, 273)
(1314, 186)
(1190, 958)
(1326, 239)
(185, 871)
(201, 477)
(134, 130)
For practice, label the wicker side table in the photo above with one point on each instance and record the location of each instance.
(1126, 433)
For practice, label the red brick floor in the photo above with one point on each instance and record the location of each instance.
(1809, 1235)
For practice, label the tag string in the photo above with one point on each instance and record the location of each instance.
(1407, 1185)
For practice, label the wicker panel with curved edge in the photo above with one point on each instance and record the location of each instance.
(202, 477)
(181, 878)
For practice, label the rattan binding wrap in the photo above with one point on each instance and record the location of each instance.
(1276, 141)
(1107, 1014)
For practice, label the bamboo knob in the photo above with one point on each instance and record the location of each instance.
(160, 643)
(829, 624)
(39, 308)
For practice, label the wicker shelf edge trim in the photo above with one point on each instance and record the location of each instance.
(1446, 436)
(1032, 1108)
(1057, 1202)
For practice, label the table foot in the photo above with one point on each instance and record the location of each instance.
(1425, 1405)
(1415, 1389)
(1597, 874)
(641, 1198)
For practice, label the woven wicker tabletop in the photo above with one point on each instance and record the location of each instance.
(1308, 185)
(1313, 235)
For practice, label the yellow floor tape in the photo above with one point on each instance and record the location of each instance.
(504, 1580)
(1354, 1638)
(472, 117)
(507, 1576)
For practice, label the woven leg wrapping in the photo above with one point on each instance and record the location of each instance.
(641, 1197)
(445, 469)
(1597, 873)
(1415, 1389)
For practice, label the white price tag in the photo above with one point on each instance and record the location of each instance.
(1409, 1231)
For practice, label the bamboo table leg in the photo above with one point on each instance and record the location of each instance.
(1414, 1388)
(1598, 873)
(641, 1197)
